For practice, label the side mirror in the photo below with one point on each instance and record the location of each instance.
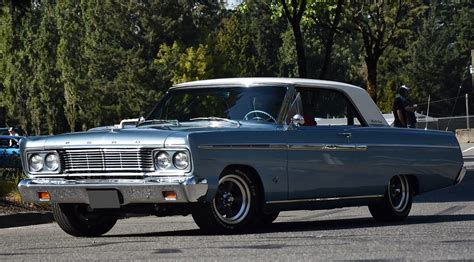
(297, 120)
(141, 119)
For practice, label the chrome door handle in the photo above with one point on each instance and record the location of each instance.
(345, 134)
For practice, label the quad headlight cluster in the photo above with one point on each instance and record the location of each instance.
(172, 160)
(44, 162)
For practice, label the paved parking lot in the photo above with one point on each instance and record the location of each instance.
(468, 154)
(440, 227)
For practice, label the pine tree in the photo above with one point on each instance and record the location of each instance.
(70, 59)
(47, 77)
(15, 62)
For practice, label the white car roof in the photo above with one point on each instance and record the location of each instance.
(369, 110)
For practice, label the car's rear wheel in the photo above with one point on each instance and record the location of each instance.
(78, 220)
(397, 201)
(234, 206)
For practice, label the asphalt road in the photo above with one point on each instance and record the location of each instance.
(440, 227)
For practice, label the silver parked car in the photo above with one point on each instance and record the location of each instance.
(236, 152)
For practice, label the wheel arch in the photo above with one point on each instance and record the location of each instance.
(250, 171)
(415, 183)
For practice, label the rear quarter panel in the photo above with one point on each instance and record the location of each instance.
(434, 157)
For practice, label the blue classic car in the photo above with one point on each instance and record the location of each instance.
(9, 152)
(233, 153)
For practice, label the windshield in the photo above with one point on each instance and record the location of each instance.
(236, 103)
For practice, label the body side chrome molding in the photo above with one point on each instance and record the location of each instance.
(411, 145)
(328, 147)
(324, 199)
(246, 146)
(314, 147)
(293, 147)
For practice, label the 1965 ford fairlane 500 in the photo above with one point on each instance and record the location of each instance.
(236, 152)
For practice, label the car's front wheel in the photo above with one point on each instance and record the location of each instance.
(397, 201)
(234, 206)
(78, 220)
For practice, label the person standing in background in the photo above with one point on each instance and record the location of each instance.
(403, 109)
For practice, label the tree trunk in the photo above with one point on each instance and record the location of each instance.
(300, 53)
(327, 55)
(330, 40)
(371, 63)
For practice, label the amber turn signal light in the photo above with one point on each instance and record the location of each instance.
(43, 196)
(169, 195)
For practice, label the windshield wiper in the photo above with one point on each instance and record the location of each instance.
(159, 121)
(214, 118)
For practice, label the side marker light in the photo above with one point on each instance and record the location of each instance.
(43, 196)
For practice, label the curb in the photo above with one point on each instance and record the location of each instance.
(25, 219)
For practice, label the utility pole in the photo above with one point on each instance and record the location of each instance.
(467, 111)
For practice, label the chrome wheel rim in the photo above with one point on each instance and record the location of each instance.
(398, 192)
(232, 200)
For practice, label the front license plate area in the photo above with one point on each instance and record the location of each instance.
(103, 199)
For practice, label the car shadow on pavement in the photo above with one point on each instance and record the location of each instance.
(320, 225)
(458, 193)
(25, 219)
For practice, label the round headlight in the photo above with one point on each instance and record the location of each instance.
(163, 160)
(181, 160)
(52, 162)
(36, 162)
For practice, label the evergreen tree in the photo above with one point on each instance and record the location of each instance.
(51, 92)
(15, 69)
(70, 59)
(441, 55)
(247, 42)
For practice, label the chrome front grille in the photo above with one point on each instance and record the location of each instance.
(107, 160)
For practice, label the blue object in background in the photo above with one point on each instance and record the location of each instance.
(10, 152)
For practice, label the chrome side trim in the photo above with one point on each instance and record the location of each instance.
(246, 147)
(315, 146)
(312, 147)
(415, 145)
(323, 199)
(325, 147)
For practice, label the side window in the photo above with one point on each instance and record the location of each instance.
(326, 107)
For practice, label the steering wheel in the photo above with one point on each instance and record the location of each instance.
(258, 118)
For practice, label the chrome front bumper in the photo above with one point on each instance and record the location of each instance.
(130, 191)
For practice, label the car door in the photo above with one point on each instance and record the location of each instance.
(322, 160)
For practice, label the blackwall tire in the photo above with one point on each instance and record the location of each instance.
(76, 220)
(397, 201)
(233, 209)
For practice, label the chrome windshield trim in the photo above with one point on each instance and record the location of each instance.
(324, 199)
(285, 106)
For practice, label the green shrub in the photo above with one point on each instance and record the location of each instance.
(9, 179)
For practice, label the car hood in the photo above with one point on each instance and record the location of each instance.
(104, 138)
(150, 136)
